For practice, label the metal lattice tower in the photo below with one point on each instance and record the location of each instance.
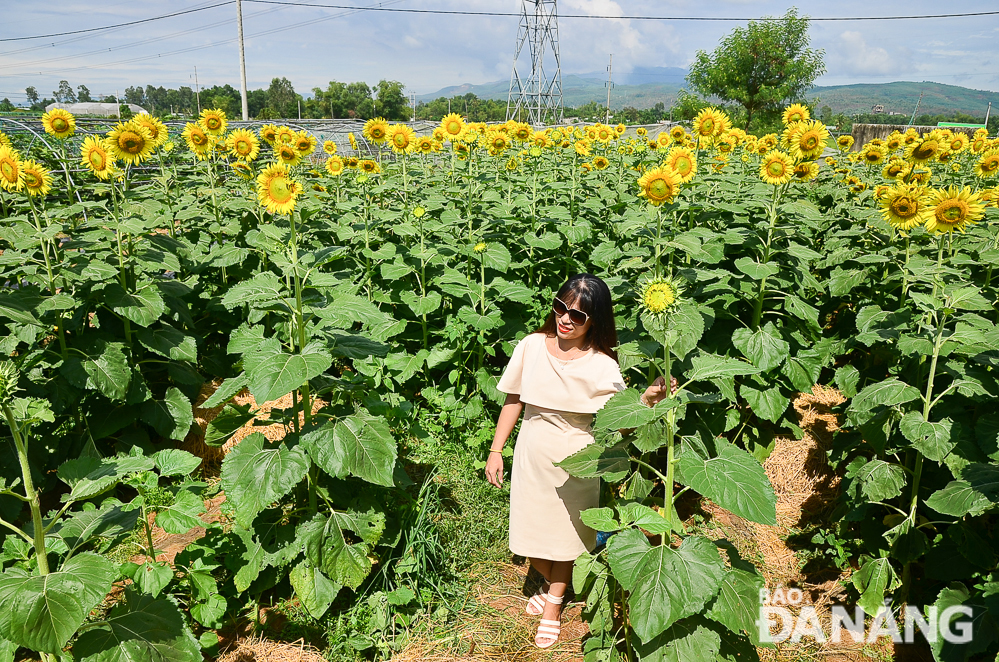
(537, 98)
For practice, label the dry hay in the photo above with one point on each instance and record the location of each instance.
(499, 629)
(258, 649)
(212, 456)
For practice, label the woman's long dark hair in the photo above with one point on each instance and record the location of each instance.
(592, 296)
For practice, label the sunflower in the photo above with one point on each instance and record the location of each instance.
(498, 143)
(659, 185)
(353, 141)
(583, 147)
(659, 295)
(94, 155)
(304, 143)
(872, 154)
(904, 206)
(351, 162)
(242, 144)
(893, 142)
(710, 122)
(276, 191)
(376, 130)
(604, 133)
(37, 180)
(683, 162)
(269, 133)
(953, 209)
(585, 167)
(523, 132)
(512, 164)
(286, 154)
(642, 131)
(726, 144)
(896, 168)
(830, 161)
(213, 121)
(919, 176)
(910, 136)
(369, 166)
(460, 150)
(809, 140)
(329, 147)
(844, 142)
(958, 143)
(663, 140)
(5, 140)
(60, 123)
(155, 127)
(540, 140)
(880, 190)
(600, 162)
(423, 145)
(285, 135)
(796, 112)
(990, 196)
(11, 176)
(923, 150)
(197, 140)
(777, 167)
(988, 165)
(401, 137)
(678, 133)
(979, 144)
(242, 169)
(806, 170)
(334, 165)
(130, 142)
(620, 128)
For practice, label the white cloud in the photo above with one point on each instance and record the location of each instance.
(861, 58)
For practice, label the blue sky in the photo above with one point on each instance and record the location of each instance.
(428, 52)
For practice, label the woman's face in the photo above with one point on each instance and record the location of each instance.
(564, 326)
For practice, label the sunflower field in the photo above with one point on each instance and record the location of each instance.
(379, 298)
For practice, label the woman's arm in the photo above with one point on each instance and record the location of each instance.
(504, 426)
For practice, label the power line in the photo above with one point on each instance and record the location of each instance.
(120, 25)
(633, 18)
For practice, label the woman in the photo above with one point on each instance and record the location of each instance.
(564, 372)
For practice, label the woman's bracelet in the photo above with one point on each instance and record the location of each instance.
(495, 451)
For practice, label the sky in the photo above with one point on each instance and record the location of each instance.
(426, 52)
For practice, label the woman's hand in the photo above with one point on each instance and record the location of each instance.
(494, 469)
(657, 391)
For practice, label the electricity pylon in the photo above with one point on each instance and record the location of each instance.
(537, 97)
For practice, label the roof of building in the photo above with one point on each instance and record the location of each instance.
(95, 108)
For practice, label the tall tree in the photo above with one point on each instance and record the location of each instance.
(32, 94)
(281, 98)
(65, 93)
(392, 103)
(136, 95)
(83, 94)
(762, 67)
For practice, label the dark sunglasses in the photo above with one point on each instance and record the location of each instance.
(577, 317)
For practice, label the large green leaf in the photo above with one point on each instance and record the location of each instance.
(144, 306)
(710, 366)
(255, 475)
(933, 440)
(108, 522)
(957, 499)
(169, 342)
(625, 552)
(737, 605)
(230, 419)
(689, 640)
(359, 445)
(175, 462)
(889, 392)
(263, 288)
(767, 403)
(142, 628)
(611, 462)
(764, 347)
(273, 372)
(624, 410)
(673, 584)
(43, 613)
(327, 546)
(171, 417)
(107, 371)
(182, 515)
(873, 579)
(89, 477)
(733, 479)
(880, 480)
(225, 392)
(313, 588)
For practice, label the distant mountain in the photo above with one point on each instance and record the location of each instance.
(646, 86)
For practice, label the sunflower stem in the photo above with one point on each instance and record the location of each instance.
(772, 213)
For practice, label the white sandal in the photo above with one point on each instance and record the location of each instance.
(549, 629)
(537, 601)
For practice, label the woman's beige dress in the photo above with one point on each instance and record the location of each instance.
(560, 398)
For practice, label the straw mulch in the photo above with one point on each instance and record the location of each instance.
(258, 649)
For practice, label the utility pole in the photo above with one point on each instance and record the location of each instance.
(412, 101)
(610, 84)
(118, 99)
(197, 88)
(299, 109)
(242, 61)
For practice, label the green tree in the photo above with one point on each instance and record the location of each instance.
(83, 94)
(32, 94)
(392, 103)
(761, 67)
(281, 98)
(65, 93)
(6, 106)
